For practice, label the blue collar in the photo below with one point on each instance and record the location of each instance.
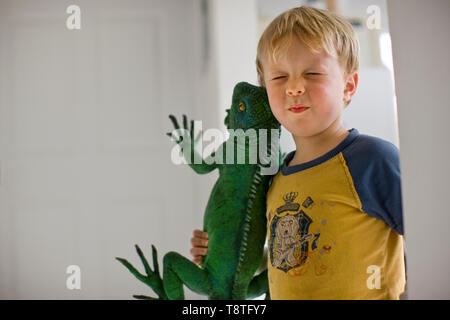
(330, 154)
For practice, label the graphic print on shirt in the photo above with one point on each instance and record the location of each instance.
(289, 234)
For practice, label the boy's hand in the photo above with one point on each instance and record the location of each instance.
(199, 243)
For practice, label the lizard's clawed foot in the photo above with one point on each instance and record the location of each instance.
(186, 131)
(152, 279)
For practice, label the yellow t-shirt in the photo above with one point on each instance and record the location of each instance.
(335, 224)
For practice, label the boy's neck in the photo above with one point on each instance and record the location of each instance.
(313, 147)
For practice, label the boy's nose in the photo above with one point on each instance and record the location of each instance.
(294, 92)
(296, 89)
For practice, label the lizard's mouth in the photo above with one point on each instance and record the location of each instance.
(269, 124)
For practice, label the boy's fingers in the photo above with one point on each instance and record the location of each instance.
(195, 252)
(197, 242)
(200, 234)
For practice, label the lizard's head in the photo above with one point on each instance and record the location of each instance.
(250, 109)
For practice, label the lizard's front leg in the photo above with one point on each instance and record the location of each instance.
(178, 271)
(187, 143)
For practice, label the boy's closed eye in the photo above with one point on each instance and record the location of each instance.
(309, 74)
(278, 77)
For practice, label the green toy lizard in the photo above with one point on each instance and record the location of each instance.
(235, 214)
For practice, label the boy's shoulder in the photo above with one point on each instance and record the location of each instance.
(367, 150)
(372, 162)
(360, 151)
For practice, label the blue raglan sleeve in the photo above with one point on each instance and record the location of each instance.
(375, 169)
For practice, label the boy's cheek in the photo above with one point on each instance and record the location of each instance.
(275, 100)
(275, 108)
(277, 111)
(279, 115)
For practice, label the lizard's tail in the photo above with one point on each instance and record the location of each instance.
(152, 277)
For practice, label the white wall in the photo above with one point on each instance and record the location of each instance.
(421, 46)
(235, 41)
(116, 94)
(86, 171)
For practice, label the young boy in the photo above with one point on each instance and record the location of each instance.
(334, 213)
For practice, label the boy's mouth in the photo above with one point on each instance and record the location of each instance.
(298, 108)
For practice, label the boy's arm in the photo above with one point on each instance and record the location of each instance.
(375, 169)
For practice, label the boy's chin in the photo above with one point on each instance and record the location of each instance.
(305, 132)
(301, 133)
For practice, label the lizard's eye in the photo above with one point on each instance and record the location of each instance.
(241, 106)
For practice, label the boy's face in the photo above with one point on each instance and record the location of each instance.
(307, 91)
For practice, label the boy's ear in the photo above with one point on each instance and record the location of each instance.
(351, 83)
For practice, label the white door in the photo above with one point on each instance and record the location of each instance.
(85, 162)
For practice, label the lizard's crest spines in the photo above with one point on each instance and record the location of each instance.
(257, 179)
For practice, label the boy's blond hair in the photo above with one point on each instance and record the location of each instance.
(317, 29)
